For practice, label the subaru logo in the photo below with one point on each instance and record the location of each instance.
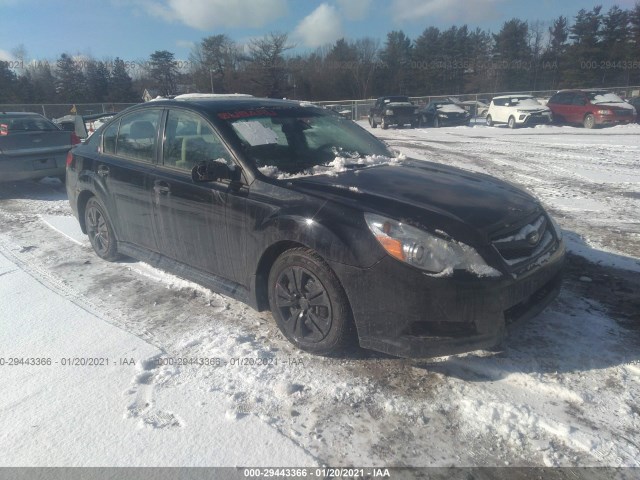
(533, 238)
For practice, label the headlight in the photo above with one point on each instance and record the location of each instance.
(442, 115)
(424, 250)
(605, 112)
(388, 112)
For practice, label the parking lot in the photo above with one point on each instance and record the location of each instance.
(563, 391)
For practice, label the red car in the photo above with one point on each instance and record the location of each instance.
(590, 108)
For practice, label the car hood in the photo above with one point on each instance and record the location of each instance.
(532, 108)
(477, 200)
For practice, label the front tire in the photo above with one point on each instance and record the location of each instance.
(309, 304)
(372, 122)
(489, 121)
(589, 121)
(383, 124)
(436, 122)
(512, 123)
(100, 231)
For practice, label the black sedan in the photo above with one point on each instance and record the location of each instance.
(288, 207)
(635, 101)
(443, 113)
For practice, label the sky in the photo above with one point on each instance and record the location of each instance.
(133, 29)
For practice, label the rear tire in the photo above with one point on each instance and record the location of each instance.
(489, 121)
(309, 304)
(100, 231)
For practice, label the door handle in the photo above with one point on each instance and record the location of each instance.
(103, 170)
(161, 187)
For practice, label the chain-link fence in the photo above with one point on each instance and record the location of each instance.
(62, 109)
(478, 102)
(356, 109)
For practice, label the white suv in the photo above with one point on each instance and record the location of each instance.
(516, 110)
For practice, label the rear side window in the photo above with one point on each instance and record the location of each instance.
(137, 135)
(18, 124)
(190, 140)
(109, 138)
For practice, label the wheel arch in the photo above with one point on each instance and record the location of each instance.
(261, 279)
(83, 199)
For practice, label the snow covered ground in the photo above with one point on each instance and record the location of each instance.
(562, 392)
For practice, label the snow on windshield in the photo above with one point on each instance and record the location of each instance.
(338, 165)
(607, 98)
(450, 108)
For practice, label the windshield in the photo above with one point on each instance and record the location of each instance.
(604, 97)
(293, 140)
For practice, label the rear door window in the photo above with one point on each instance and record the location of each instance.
(137, 135)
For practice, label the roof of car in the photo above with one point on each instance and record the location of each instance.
(515, 95)
(26, 114)
(226, 103)
(583, 90)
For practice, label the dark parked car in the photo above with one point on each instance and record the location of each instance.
(396, 110)
(635, 102)
(410, 257)
(443, 113)
(31, 147)
(82, 125)
(590, 108)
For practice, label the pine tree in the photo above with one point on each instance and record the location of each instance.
(71, 82)
(585, 53)
(8, 82)
(396, 56)
(164, 71)
(511, 56)
(120, 88)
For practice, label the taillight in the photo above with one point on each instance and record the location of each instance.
(69, 159)
(4, 129)
(75, 139)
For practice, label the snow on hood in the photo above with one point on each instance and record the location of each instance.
(528, 102)
(624, 105)
(450, 108)
(338, 165)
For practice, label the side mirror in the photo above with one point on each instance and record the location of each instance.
(211, 171)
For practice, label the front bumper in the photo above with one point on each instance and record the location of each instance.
(401, 311)
(536, 119)
(401, 119)
(615, 119)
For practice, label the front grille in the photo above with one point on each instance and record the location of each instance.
(624, 113)
(526, 244)
(523, 242)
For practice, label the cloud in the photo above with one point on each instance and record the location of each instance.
(185, 44)
(355, 9)
(321, 27)
(5, 56)
(450, 10)
(207, 14)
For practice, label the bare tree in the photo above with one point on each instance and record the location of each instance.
(268, 66)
